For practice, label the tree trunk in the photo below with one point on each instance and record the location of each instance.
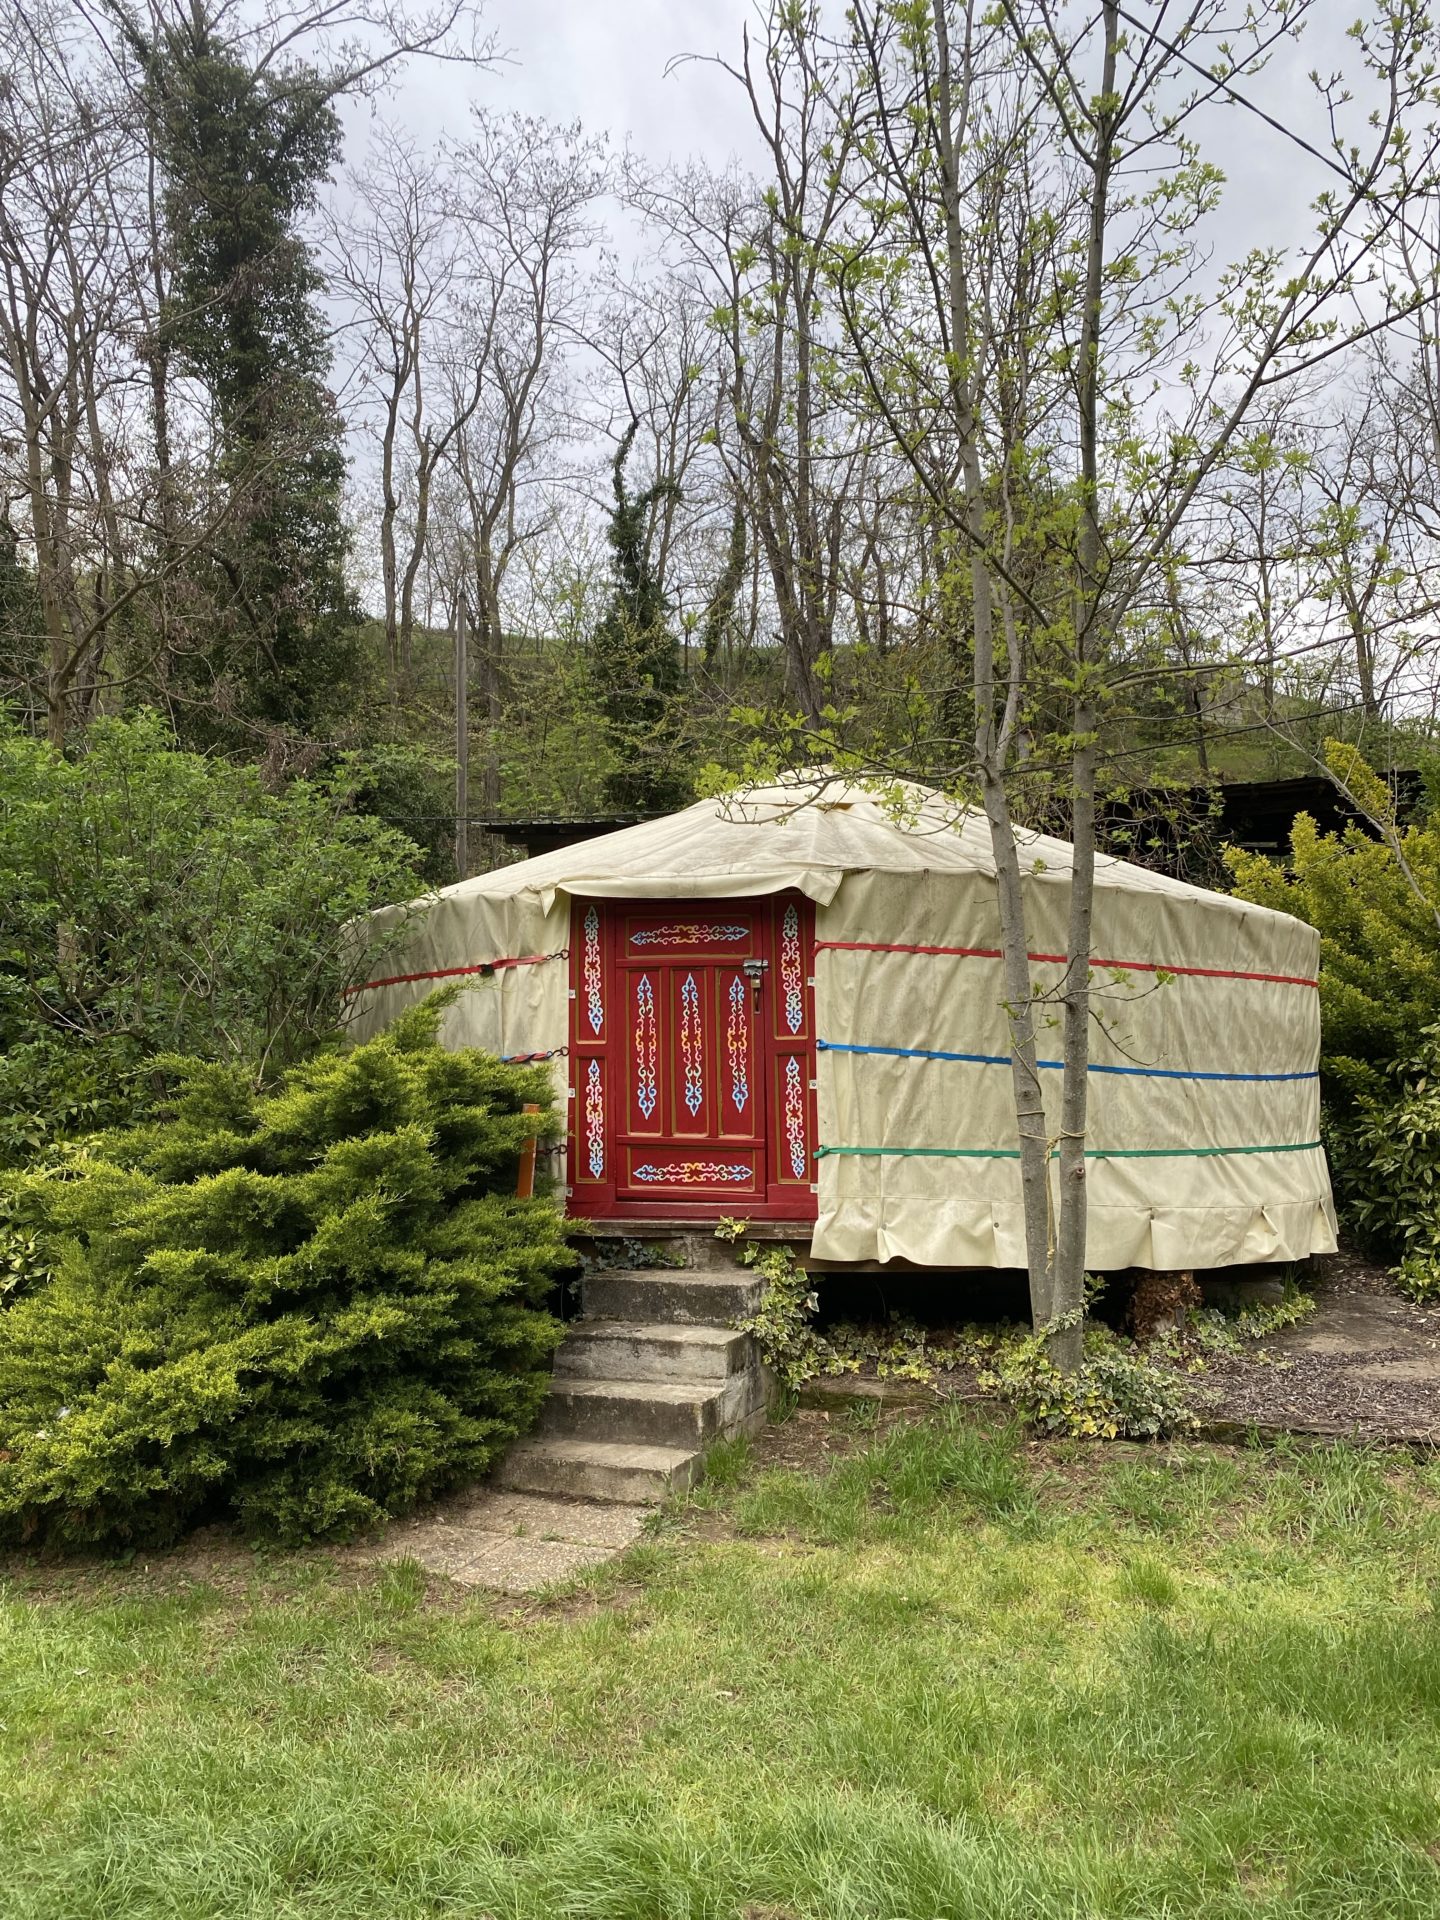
(389, 509)
(491, 642)
(1091, 642)
(991, 744)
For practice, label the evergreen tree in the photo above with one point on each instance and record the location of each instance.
(637, 661)
(243, 152)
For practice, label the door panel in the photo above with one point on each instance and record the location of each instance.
(693, 1037)
(694, 1172)
(735, 1020)
(643, 1080)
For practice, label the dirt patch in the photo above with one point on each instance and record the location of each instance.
(813, 1436)
(1366, 1363)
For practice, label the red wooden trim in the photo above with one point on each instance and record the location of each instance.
(449, 973)
(1127, 966)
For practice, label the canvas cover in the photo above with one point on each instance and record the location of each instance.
(1204, 1093)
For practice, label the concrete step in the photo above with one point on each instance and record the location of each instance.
(634, 1350)
(600, 1469)
(683, 1247)
(713, 1297)
(650, 1412)
(701, 1252)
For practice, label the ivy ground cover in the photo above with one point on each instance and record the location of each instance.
(937, 1672)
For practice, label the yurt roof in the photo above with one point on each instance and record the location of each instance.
(807, 832)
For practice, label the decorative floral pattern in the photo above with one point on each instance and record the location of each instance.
(737, 1045)
(691, 1052)
(645, 1095)
(791, 981)
(594, 999)
(595, 1120)
(794, 1118)
(695, 1173)
(686, 933)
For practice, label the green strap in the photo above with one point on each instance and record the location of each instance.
(1091, 1153)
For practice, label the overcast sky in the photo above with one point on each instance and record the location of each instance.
(604, 62)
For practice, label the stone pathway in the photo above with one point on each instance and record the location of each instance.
(511, 1542)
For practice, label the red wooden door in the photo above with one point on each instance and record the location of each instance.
(692, 1047)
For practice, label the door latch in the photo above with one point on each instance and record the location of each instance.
(755, 971)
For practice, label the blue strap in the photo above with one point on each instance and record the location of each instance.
(1003, 1060)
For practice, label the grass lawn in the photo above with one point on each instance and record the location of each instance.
(945, 1675)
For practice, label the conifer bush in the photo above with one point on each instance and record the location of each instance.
(304, 1309)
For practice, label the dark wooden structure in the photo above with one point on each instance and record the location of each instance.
(1177, 830)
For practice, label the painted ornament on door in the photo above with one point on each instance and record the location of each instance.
(595, 1120)
(794, 1114)
(686, 933)
(645, 1095)
(695, 1173)
(737, 1045)
(791, 976)
(691, 1056)
(594, 998)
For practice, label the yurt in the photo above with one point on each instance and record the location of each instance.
(786, 1005)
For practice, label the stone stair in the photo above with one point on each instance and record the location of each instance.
(648, 1379)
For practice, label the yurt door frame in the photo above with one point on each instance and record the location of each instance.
(692, 1059)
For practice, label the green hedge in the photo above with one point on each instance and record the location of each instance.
(304, 1310)
(156, 901)
(1376, 904)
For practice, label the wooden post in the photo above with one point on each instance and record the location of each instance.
(525, 1174)
(462, 741)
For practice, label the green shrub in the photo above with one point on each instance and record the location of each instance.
(1376, 905)
(305, 1309)
(1393, 1166)
(1418, 1278)
(1216, 1331)
(1118, 1393)
(410, 789)
(783, 1323)
(154, 901)
(26, 1253)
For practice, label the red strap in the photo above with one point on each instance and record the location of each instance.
(450, 973)
(1128, 966)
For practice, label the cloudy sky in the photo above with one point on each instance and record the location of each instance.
(602, 62)
(610, 64)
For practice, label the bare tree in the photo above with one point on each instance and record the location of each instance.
(394, 256)
(1376, 571)
(654, 337)
(65, 148)
(523, 197)
(753, 247)
(111, 461)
